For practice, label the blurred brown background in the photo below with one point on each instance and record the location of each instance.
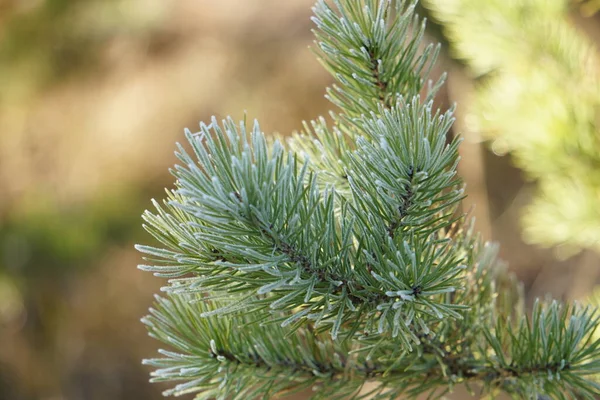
(93, 96)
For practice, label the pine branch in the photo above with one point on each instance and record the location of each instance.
(269, 221)
(281, 281)
(376, 59)
(372, 49)
(235, 358)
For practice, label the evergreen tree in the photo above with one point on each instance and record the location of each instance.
(538, 97)
(341, 257)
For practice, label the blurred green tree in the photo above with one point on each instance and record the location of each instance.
(537, 97)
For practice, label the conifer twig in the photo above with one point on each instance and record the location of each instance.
(279, 280)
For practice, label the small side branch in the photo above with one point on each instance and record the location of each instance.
(405, 204)
(380, 83)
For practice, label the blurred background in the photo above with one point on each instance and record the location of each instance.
(95, 93)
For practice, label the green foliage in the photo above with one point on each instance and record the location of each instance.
(538, 98)
(342, 259)
(373, 62)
